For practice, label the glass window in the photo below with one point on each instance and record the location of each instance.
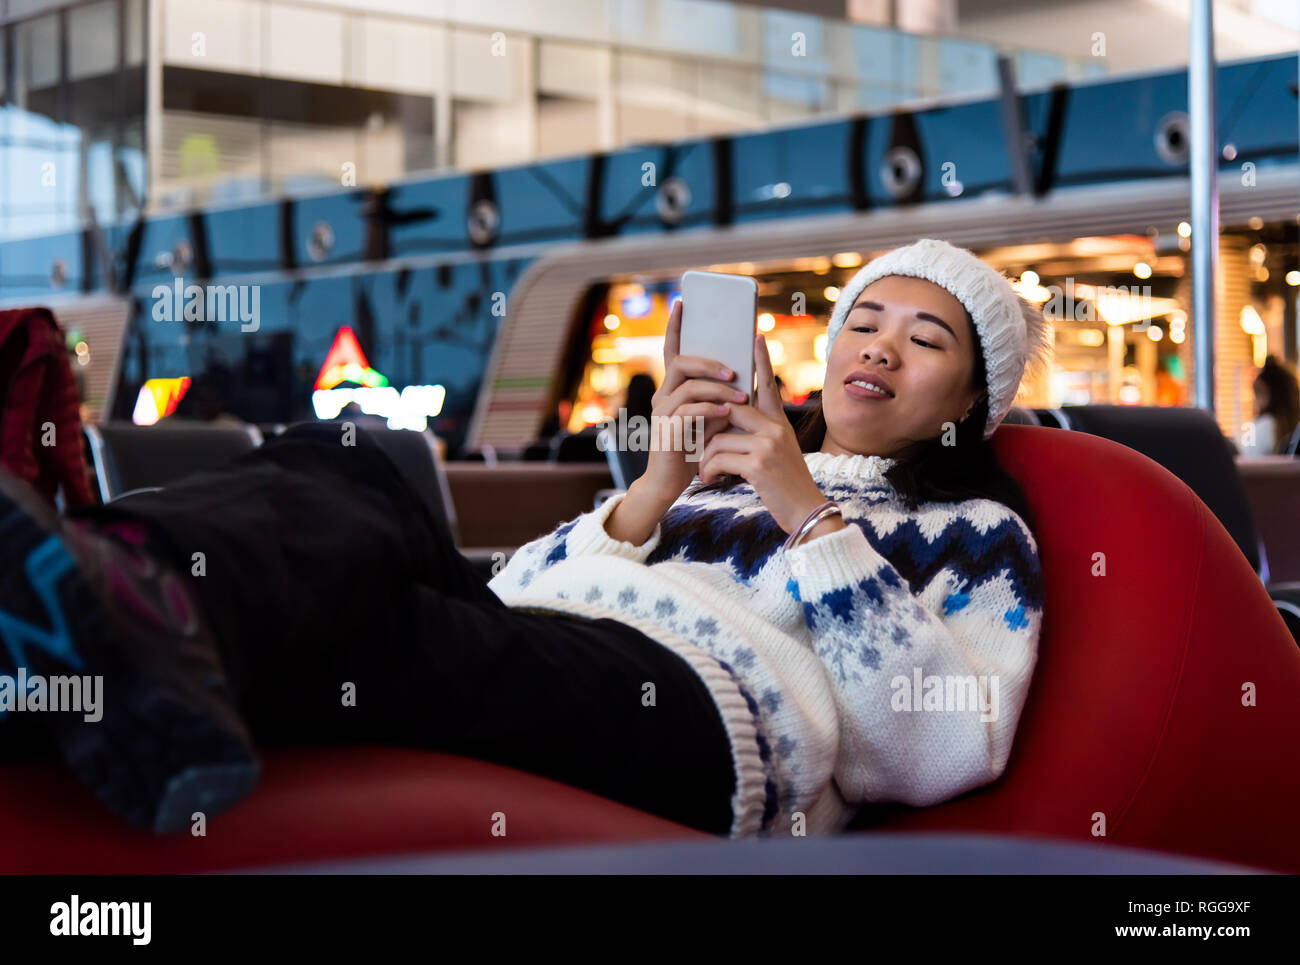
(909, 78)
(100, 194)
(92, 39)
(795, 42)
(135, 29)
(132, 173)
(850, 98)
(720, 30)
(36, 47)
(967, 68)
(1035, 69)
(866, 55)
(1088, 67)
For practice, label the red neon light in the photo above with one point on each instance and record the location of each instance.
(345, 350)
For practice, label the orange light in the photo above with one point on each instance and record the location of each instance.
(158, 399)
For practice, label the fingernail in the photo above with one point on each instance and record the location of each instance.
(726, 373)
(740, 396)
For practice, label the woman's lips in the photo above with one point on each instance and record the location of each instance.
(858, 392)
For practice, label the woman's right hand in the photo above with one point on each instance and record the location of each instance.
(688, 399)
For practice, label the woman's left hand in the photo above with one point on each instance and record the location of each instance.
(767, 453)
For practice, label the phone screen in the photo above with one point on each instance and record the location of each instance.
(719, 322)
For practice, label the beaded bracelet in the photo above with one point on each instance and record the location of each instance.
(826, 509)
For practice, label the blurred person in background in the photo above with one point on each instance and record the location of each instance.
(40, 408)
(1277, 407)
(637, 398)
(1170, 390)
(638, 401)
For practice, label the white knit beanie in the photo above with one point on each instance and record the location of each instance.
(1012, 331)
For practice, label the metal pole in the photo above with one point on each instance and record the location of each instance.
(1205, 195)
(153, 133)
(1013, 126)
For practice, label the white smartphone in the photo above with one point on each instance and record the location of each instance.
(719, 321)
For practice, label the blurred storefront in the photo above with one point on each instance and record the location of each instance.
(1119, 307)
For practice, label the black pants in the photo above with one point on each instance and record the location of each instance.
(346, 614)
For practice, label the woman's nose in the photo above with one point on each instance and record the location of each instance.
(880, 350)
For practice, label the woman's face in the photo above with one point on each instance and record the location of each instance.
(916, 339)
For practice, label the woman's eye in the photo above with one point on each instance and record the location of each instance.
(868, 328)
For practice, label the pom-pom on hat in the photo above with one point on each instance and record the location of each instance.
(1012, 331)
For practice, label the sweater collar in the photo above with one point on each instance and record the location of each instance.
(849, 465)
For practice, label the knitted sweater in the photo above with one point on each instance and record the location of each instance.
(885, 661)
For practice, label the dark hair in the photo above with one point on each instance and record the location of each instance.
(931, 472)
(1283, 400)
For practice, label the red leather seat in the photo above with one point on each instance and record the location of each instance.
(1140, 708)
(315, 804)
(1136, 714)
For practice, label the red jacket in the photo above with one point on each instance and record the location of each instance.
(38, 394)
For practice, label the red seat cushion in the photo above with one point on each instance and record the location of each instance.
(315, 804)
(1136, 711)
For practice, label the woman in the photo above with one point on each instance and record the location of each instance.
(756, 655)
(1277, 407)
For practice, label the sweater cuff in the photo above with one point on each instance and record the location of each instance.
(589, 536)
(833, 561)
